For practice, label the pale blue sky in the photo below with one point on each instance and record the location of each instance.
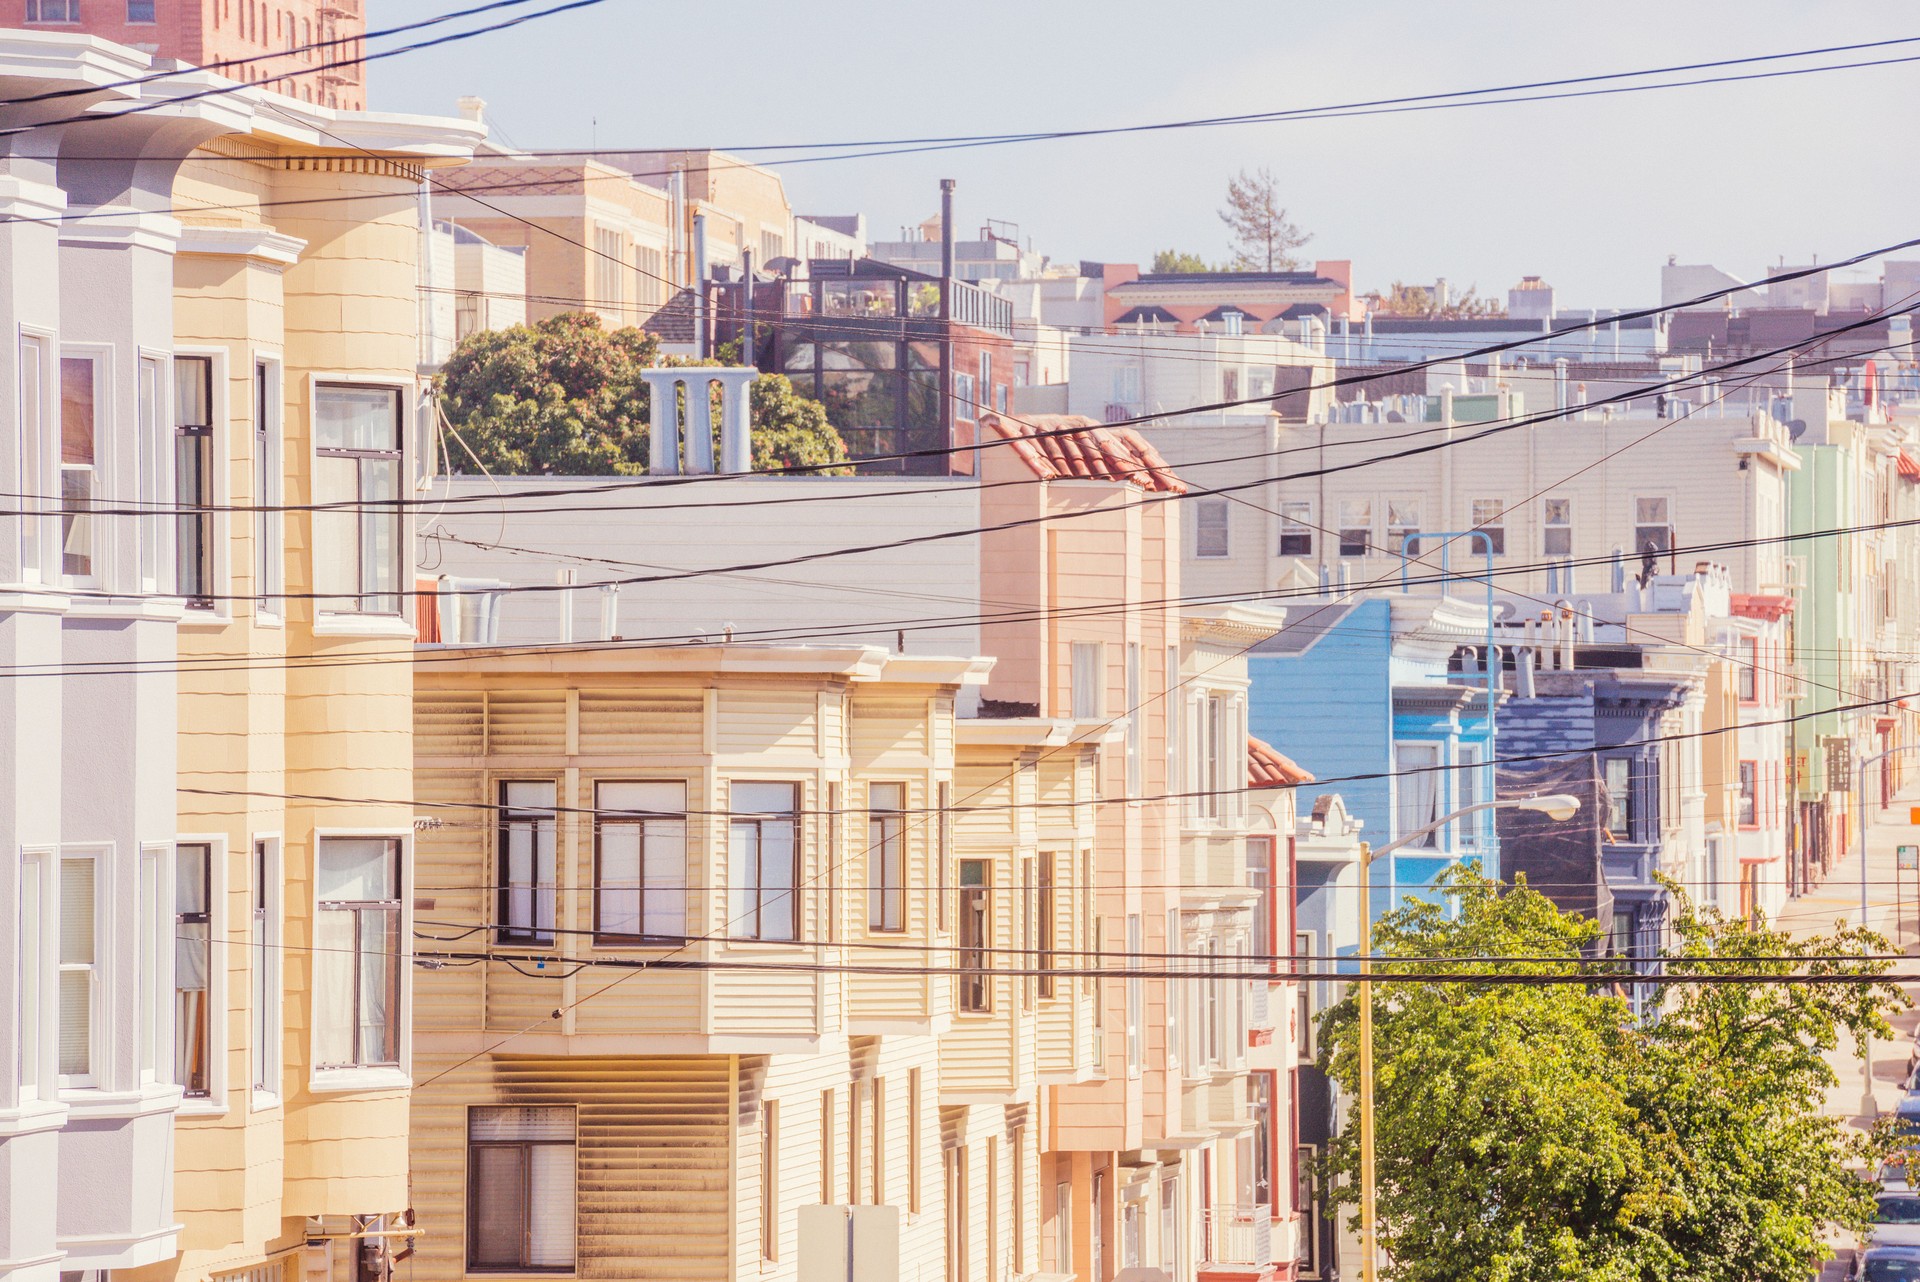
(1593, 194)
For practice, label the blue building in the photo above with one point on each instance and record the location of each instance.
(1358, 690)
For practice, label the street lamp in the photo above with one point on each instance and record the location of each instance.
(1558, 807)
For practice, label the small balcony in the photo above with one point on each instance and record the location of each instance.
(1239, 1242)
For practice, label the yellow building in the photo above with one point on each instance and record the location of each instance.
(692, 973)
(294, 387)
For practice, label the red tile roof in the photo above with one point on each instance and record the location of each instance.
(1073, 447)
(1269, 769)
(1907, 467)
(1752, 605)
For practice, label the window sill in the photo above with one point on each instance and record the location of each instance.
(259, 1101)
(94, 1102)
(197, 620)
(33, 1115)
(264, 620)
(385, 1077)
(202, 1106)
(363, 625)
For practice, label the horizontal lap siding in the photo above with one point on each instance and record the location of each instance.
(654, 1159)
(640, 723)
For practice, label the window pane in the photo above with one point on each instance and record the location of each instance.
(764, 798)
(77, 419)
(356, 418)
(380, 535)
(497, 1217)
(76, 912)
(619, 890)
(357, 868)
(664, 869)
(379, 986)
(550, 1224)
(519, 1123)
(333, 974)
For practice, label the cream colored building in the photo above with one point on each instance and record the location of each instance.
(695, 966)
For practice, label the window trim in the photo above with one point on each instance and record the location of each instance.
(327, 608)
(982, 982)
(1493, 527)
(270, 467)
(214, 1099)
(505, 817)
(213, 600)
(888, 866)
(358, 1077)
(101, 857)
(1204, 507)
(104, 384)
(41, 488)
(1296, 527)
(469, 1193)
(266, 852)
(43, 1082)
(1746, 805)
(614, 939)
(1634, 553)
(1548, 528)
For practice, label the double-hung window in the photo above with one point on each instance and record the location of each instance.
(1089, 674)
(976, 933)
(1749, 794)
(1416, 788)
(1556, 526)
(156, 449)
(78, 959)
(1044, 957)
(641, 849)
(269, 524)
(886, 857)
(1403, 526)
(1749, 668)
(53, 10)
(193, 478)
(193, 967)
(265, 1030)
(357, 952)
(1622, 807)
(1296, 529)
(80, 413)
(526, 862)
(356, 488)
(1356, 527)
(1652, 526)
(1212, 528)
(1490, 519)
(764, 851)
(521, 1189)
(1136, 996)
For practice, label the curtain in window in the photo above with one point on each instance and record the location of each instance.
(762, 859)
(643, 859)
(76, 965)
(1416, 788)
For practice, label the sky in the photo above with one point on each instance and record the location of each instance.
(1592, 194)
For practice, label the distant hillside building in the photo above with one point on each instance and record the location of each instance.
(226, 37)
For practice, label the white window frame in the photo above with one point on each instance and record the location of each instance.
(31, 465)
(154, 470)
(154, 913)
(267, 853)
(1634, 551)
(888, 872)
(97, 1050)
(219, 490)
(1549, 528)
(219, 1009)
(1207, 508)
(1494, 527)
(1295, 525)
(736, 928)
(361, 1077)
(270, 524)
(1344, 527)
(330, 619)
(40, 1081)
(1403, 506)
(100, 570)
(1087, 680)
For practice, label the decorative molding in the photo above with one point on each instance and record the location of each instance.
(242, 242)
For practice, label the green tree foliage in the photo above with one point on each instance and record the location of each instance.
(1418, 301)
(563, 397)
(1179, 260)
(1263, 237)
(1539, 1132)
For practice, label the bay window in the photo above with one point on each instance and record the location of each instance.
(269, 524)
(763, 850)
(641, 860)
(357, 952)
(1416, 788)
(356, 487)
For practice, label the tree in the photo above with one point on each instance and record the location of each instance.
(563, 397)
(1537, 1131)
(1263, 238)
(1418, 301)
(1179, 260)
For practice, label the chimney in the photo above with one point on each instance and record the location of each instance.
(472, 108)
(1523, 674)
(946, 229)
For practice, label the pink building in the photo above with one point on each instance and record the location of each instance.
(237, 38)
